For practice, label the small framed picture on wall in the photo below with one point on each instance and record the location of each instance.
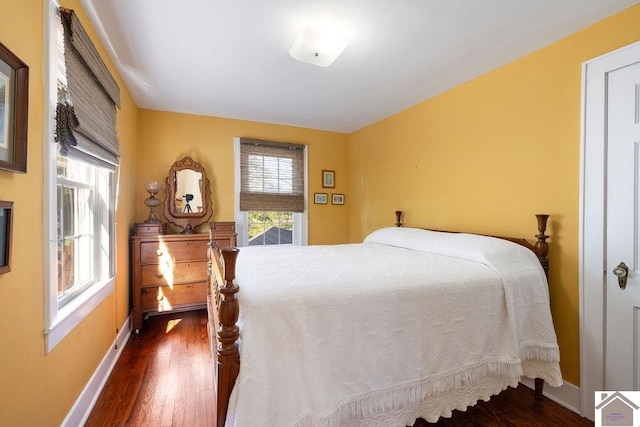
(320, 198)
(337, 199)
(6, 219)
(14, 99)
(328, 179)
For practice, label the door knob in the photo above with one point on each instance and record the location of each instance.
(622, 272)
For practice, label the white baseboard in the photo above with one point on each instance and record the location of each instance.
(567, 395)
(81, 409)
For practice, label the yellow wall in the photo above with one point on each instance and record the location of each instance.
(484, 156)
(38, 389)
(488, 155)
(167, 137)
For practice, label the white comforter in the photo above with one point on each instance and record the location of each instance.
(410, 323)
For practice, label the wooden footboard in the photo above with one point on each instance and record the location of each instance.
(223, 311)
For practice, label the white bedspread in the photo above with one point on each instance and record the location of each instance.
(410, 323)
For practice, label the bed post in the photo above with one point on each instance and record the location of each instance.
(227, 333)
(542, 247)
(542, 250)
(398, 218)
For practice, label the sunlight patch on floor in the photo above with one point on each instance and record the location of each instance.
(172, 324)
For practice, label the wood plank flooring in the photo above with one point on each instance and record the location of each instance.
(164, 378)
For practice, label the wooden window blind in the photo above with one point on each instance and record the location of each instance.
(271, 176)
(86, 109)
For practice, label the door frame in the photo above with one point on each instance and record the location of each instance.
(592, 226)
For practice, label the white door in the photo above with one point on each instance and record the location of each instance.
(622, 321)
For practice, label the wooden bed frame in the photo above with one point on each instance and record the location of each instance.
(223, 309)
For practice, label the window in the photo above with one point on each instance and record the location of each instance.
(270, 206)
(81, 157)
(81, 217)
(270, 228)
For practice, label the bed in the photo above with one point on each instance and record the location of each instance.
(411, 323)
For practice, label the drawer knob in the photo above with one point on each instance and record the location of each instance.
(159, 252)
(160, 297)
(159, 275)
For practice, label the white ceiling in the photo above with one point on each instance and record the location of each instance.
(230, 58)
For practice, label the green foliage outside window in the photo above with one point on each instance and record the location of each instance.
(261, 221)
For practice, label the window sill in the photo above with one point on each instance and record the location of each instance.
(72, 314)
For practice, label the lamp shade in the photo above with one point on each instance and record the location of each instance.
(317, 47)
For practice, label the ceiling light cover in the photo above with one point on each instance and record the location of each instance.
(317, 47)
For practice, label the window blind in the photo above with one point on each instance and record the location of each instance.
(271, 176)
(86, 109)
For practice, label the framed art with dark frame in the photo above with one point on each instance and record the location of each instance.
(328, 179)
(14, 83)
(6, 219)
(337, 199)
(320, 198)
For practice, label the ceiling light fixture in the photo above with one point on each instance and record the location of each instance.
(318, 47)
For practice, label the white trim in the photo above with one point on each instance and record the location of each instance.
(567, 395)
(81, 409)
(300, 220)
(592, 246)
(49, 200)
(241, 217)
(72, 314)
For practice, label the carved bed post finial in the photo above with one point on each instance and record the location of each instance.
(227, 332)
(542, 250)
(398, 218)
(542, 247)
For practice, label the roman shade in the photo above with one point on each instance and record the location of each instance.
(86, 108)
(271, 176)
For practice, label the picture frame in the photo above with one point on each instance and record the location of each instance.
(5, 101)
(328, 179)
(14, 97)
(6, 222)
(320, 198)
(337, 199)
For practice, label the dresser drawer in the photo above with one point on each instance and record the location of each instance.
(183, 272)
(164, 298)
(223, 227)
(189, 250)
(223, 234)
(225, 241)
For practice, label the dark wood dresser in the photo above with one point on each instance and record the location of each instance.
(170, 270)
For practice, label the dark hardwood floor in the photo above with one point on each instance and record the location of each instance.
(164, 378)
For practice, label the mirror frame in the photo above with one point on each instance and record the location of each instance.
(187, 221)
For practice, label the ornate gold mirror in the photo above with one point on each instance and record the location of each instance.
(188, 198)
